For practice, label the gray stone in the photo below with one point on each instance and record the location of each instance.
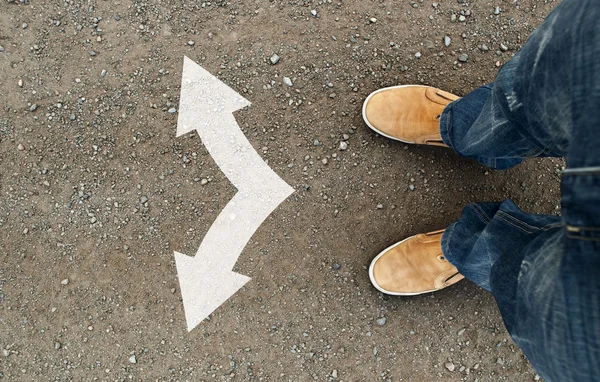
(450, 366)
(463, 57)
(447, 40)
(287, 81)
(172, 110)
(381, 321)
(274, 59)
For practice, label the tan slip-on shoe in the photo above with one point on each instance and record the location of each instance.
(413, 266)
(407, 113)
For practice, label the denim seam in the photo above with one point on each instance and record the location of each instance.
(583, 228)
(516, 222)
(524, 226)
(448, 127)
(569, 236)
(482, 213)
(450, 233)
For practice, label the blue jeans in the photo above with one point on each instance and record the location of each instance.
(544, 271)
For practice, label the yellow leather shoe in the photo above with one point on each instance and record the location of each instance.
(407, 113)
(413, 266)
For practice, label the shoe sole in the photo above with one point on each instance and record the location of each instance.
(378, 287)
(364, 108)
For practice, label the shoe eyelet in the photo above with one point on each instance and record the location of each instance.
(438, 116)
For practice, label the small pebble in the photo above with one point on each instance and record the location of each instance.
(102, 73)
(20, 83)
(461, 331)
(1, 49)
(334, 374)
(411, 187)
(418, 55)
(450, 366)
(463, 57)
(33, 107)
(287, 81)
(381, 321)
(204, 181)
(57, 345)
(462, 18)
(143, 199)
(497, 11)
(132, 359)
(191, 43)
(503, 47)
(343, 145)
(373, 20)
(314, 12)
(336, 266)
(172, 110)
(65, 282)
(447, 40)
(20, 147)
(92, 53)
(274, 59)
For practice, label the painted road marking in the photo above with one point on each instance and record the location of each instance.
(207, 105)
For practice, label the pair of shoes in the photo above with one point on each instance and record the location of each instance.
(415, 265)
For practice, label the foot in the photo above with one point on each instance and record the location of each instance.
(407, 113)
(413, 266)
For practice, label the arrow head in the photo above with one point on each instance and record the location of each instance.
(204, 99)
(203, 289)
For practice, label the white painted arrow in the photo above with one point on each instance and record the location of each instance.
(207, 106)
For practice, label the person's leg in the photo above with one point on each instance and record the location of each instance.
(543, 271)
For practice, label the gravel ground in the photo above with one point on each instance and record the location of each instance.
(97, 193)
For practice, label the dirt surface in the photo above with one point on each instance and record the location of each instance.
(97, 192)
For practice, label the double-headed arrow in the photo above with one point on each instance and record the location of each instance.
(207, 106)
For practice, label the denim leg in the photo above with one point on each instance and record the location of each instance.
(528, 110)
(544, 271)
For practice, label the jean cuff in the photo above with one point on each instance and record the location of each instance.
(446, 123)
